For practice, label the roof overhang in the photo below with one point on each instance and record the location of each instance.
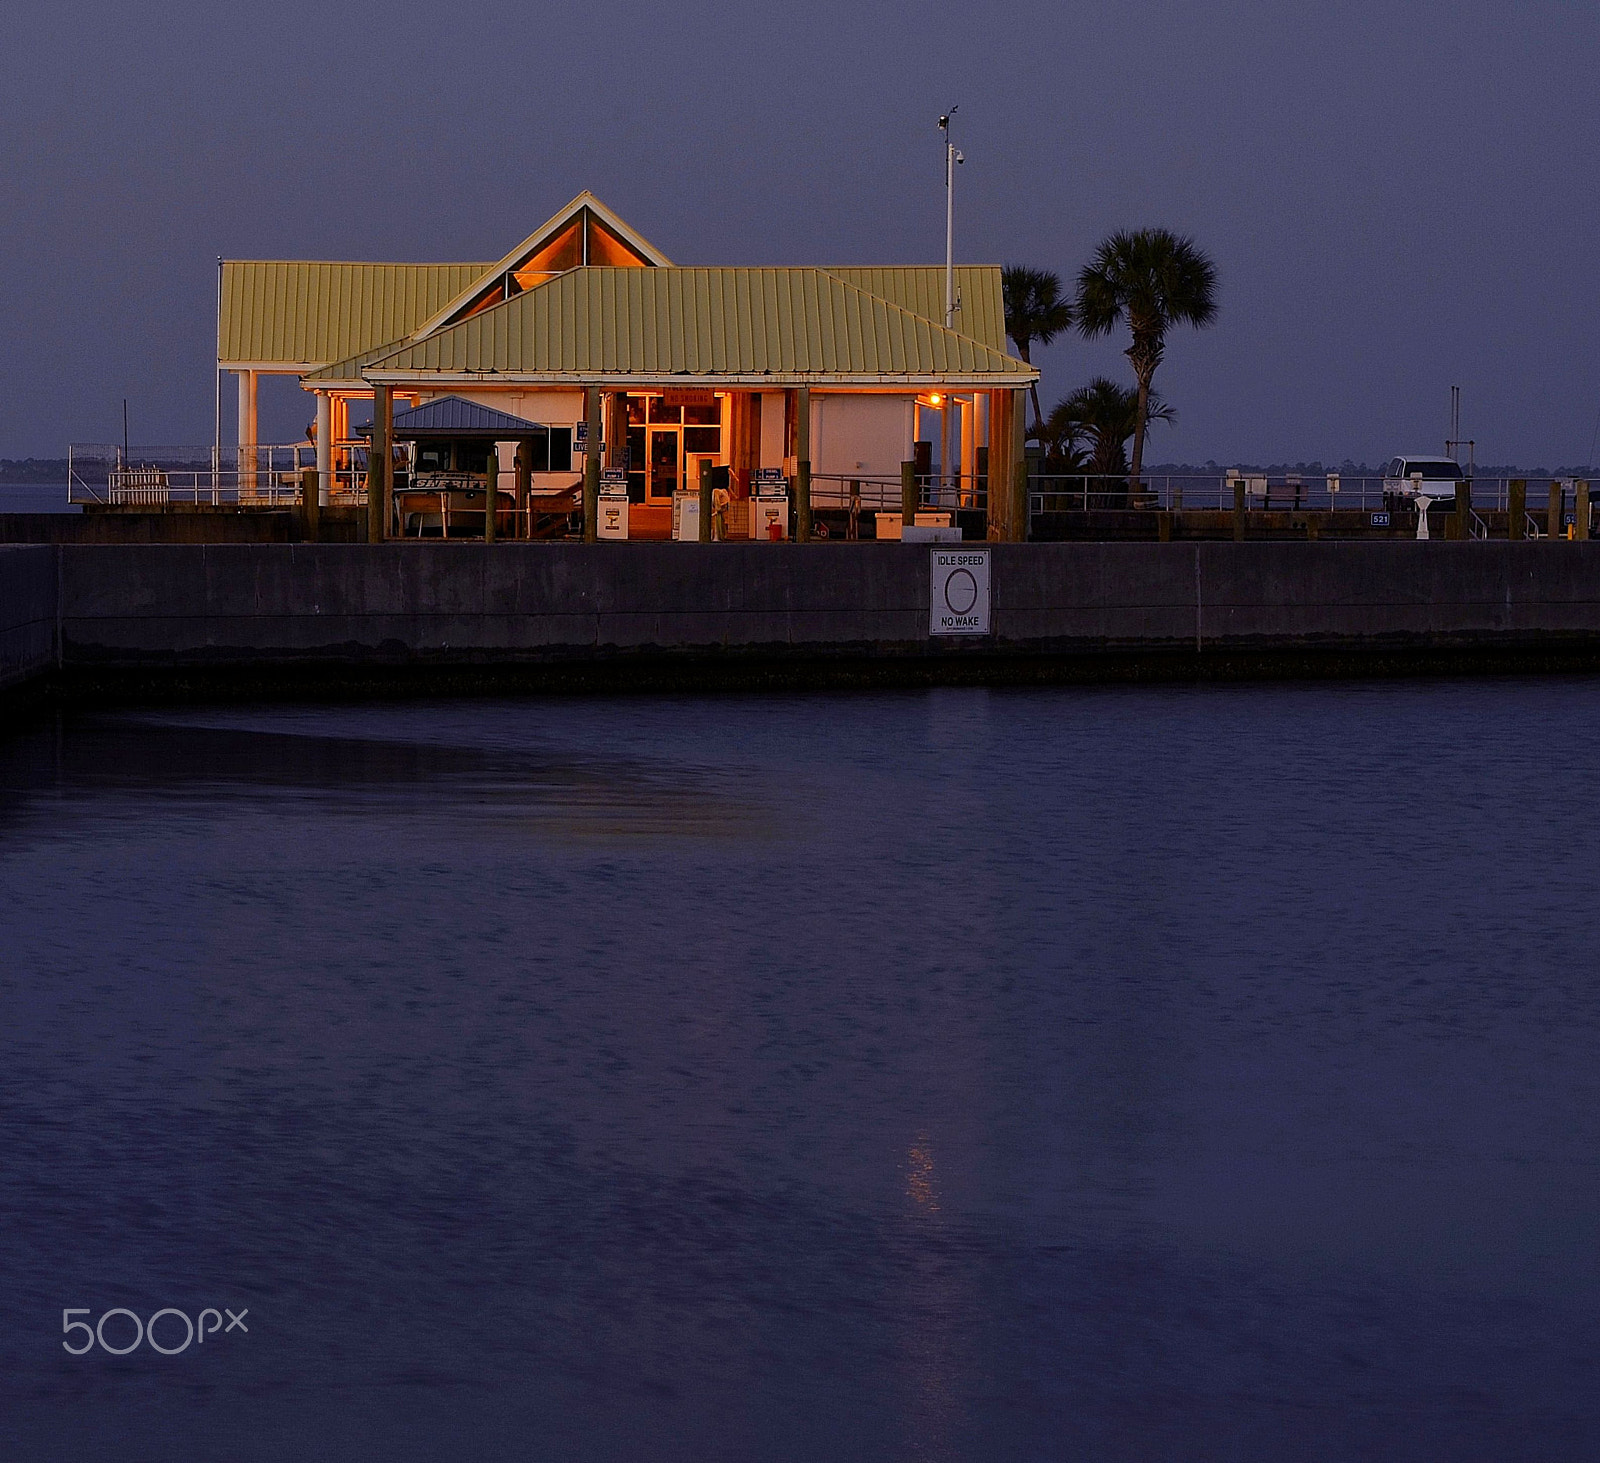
(432, 380)
(273, 368)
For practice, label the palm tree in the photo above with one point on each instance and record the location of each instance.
(1061, 435)
(1150, 280)
(1102, 416)
(1035, 311)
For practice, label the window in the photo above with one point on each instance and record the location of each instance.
(433, 457)
(560, 449)
(1435, 471)
(473, 456)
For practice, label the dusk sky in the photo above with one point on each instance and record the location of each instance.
(1400, 196)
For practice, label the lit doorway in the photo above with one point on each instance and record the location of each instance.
(665, 459)
(662, 439)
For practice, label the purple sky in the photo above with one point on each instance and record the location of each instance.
(1400, 196)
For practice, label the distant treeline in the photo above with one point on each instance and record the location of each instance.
(1346, 469)
(33, 469)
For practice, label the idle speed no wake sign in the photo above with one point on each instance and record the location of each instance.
(958, 599)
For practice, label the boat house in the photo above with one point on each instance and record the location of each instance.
(501, 375)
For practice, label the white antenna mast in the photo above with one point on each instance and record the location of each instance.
(951, 158)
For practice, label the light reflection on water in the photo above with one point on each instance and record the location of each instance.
(1130, 1073)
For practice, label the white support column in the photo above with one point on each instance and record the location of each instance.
(969, 442)
(241, 379)
(324, 446)
(247, 429)
(947, 406)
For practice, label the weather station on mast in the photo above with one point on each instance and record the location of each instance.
(952, 157)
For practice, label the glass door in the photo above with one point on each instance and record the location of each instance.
(665, 448)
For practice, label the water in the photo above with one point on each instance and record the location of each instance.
(36, 498)
(1118, 1074)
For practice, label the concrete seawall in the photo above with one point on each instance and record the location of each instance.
(675, 613)
(29, 608)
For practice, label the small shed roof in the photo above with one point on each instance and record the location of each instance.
(455, 416)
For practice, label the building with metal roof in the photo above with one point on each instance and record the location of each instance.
(588, 328)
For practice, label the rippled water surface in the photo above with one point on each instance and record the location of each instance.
(1115, 1074)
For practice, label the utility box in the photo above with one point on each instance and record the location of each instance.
(686, 517)
(613, 505)
(769, 518)
(613, 516)
(889, 525)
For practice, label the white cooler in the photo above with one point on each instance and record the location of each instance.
(686, 517)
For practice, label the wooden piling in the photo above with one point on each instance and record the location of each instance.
(706, 471)
(908, 493)
(591, 466)
(1238, 510)
(378, 465)
(492, 493)
(1554, 505)
(524, 482)
(1517, 509)
(1580, 509)
(802, 467)
(310, 504)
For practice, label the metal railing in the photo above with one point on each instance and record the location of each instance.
(1289, 493)
(266, 476)
(883, 495)
(270, 475)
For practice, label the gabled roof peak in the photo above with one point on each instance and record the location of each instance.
(585, 207)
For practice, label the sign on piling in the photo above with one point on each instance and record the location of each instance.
(958, 592)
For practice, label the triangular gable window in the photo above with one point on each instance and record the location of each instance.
(584, 239)
(563, 252)
(606, 248)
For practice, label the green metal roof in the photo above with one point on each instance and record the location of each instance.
(309, 312)
(348, 371)
(919, 288)
(794, 323)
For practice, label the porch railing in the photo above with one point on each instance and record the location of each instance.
(266, 476)
(1280, 492)
(883, 495)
